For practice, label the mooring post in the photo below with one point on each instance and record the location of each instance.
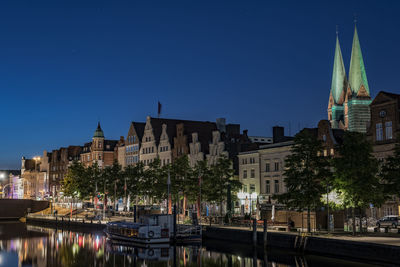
(255, 232)
(265, 233)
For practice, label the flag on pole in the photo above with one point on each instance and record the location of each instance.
(159, 109)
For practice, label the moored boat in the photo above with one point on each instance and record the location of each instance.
(151, 229)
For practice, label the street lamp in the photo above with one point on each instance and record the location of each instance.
(2, 176)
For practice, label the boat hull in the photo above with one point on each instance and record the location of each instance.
(136, 240)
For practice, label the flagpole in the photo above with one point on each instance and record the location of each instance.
(115, 196)
(168, 188)
(126, 200)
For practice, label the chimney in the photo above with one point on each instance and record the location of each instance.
(278, 132)
(221, 124)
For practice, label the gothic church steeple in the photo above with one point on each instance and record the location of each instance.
(357, 76)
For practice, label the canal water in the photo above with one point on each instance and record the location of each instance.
(27, 245)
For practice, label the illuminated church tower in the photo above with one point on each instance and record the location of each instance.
(349, 101)
(338, 90)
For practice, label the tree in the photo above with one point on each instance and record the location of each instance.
(112, 181)
(390, 172)
(355, 173)
(219, 181)
(78, 181)
(306, 174)
(180, 175)
(134, 178)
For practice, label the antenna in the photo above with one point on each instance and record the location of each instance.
(355, 19)
(337, 30)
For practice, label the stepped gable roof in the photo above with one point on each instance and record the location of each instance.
(203, 128)
(139, 129)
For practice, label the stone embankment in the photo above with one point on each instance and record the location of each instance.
(366, 251)
(17, 208)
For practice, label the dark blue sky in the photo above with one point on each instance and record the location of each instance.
(64, 65)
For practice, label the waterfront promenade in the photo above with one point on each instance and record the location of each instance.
(391, 238)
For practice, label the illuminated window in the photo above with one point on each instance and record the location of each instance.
(276, 166)
(276, 186)
(388, 130)
(379, 132)
(252, 188)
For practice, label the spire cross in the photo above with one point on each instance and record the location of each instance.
(337, 30)
(355, 18)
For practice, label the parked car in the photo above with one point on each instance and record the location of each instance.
(388, 221)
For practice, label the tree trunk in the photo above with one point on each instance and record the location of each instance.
(198, 208)
(220, 206)
(308, 220)
(354, 220)
(184, 205)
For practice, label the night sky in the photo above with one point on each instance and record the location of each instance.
(64, 65)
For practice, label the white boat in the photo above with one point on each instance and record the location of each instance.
(151, 229)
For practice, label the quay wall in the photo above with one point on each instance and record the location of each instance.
(309, 244)
(17, 208)
(66, 223)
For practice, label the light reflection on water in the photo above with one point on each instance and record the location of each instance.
(22, 245)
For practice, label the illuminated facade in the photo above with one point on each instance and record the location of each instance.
(349, 100)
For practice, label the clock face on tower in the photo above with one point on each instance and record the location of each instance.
(382, 113)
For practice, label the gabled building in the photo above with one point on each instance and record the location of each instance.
(349, 100)
(100, 150)
(385, 124)
(132, 143)
(382, 133)
(59, 160)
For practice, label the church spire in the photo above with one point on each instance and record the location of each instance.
(357, 74)
(339, 82)
(99, 132)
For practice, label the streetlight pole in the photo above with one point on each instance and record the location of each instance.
(327, 205)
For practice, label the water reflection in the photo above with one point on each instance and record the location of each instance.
(42, 247)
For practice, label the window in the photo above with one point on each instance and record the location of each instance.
(267, 169)
(388, 130)
(152, 149)
(276, 186)
(245, 188)
(244, 174)
(252, 173)
(276, 166)
(267, 187)
(332, 152)
(252, 188)
(325, 153)
(379, 132)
